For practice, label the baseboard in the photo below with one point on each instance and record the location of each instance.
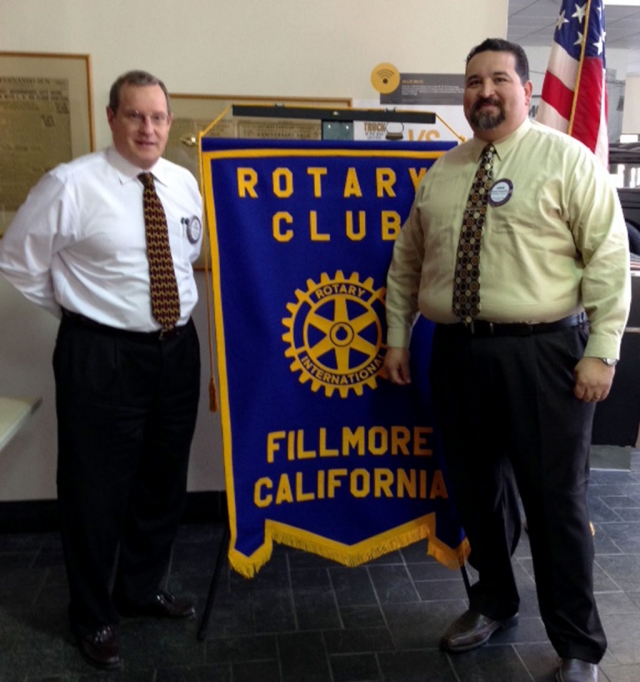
(41, 516)
(611, 457)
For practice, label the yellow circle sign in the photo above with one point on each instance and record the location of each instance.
(385, 78)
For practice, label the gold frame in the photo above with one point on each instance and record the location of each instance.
(76, 69)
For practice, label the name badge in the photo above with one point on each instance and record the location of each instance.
(194, 229)
(500, 192)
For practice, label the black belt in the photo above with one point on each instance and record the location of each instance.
(148, 337)
(484, 328)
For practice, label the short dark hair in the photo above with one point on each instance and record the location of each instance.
(501, 45)
(134, 78)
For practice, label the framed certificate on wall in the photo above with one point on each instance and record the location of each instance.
(46, 118)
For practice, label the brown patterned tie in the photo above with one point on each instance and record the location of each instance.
(466, 284)
(165, 300)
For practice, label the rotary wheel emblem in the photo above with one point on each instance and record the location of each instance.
(335, 334)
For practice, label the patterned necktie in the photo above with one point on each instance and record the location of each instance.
(165, 300)
(466, 284)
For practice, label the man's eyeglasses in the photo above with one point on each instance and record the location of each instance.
(135, 118)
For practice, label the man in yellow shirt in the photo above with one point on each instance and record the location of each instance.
(530, 296)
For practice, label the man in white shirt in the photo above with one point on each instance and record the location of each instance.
(127, 383)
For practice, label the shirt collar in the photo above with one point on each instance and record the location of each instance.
(503, 146)
(128, 172)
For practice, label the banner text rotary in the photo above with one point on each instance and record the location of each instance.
(282, 183)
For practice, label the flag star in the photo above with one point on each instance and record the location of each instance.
(579, 13)
(579, 41)
(561, 21)
(599, 44)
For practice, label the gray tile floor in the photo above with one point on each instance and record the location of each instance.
(306, 619)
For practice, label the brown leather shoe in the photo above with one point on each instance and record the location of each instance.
(163, 605)
(575, 670)
(472, 630)
(100, 648)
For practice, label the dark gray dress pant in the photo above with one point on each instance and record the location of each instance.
(507, 402)
(126, 406)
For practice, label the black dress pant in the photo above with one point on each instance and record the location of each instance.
(507, 402)
(126, 407)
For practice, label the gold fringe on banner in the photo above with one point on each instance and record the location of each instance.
(351, 555)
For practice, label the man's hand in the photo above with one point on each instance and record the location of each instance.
(396, 366)
(593, 380)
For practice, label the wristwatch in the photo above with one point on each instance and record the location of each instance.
(611, 362)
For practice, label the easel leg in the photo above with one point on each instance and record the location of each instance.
(466, 580)
(222, 553)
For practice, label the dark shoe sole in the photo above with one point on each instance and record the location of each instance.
(505, 625)
(75, 640)
(114, 665)
(558, 677)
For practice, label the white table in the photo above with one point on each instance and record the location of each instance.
(14, 414)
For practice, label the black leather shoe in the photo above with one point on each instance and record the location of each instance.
(472, 630)
(163, 605)
(100, 648)
(575, 670)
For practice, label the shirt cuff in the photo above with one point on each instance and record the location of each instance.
(398, 337)
(602, 347)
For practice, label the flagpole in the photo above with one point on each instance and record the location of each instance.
(583, 48)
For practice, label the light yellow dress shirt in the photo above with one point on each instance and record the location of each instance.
(556, 246)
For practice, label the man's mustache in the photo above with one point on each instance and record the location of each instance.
(484, 101)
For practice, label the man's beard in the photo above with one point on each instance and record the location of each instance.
(484, 120)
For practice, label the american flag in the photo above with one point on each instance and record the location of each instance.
(574, 93)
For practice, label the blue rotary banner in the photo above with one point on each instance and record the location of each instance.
(320, 452)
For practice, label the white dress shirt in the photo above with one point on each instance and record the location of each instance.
(78, 241)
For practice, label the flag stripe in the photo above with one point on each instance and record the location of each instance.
(563, 66)
(588, 100)
(602, 145)
(557, 95)
(552, 118)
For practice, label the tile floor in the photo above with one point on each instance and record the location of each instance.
(306, 619)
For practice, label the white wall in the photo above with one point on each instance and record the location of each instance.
(631, 116)
(283, 47)
(324, 48)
